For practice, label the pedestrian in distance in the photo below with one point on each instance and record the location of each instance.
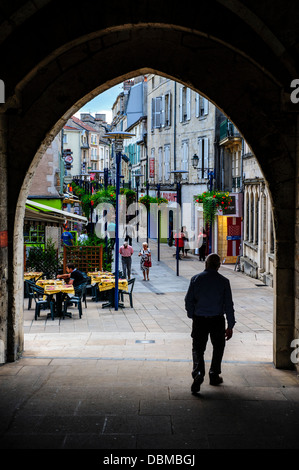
(126, 252)
(83, 237)
(179, 240)
(67, 238)
(202, 245)
(208, 299)
(186, 241)
(145, 261)
(111, 232)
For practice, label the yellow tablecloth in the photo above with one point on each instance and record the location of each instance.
(48, 282)
(31, 275)
(107, 284)
(59, 288)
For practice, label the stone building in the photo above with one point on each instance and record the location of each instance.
(90, 151)
(258, 234)
(181, 124)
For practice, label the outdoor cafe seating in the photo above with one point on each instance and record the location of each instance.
(56, 296)
(104, 283)
(129, 292)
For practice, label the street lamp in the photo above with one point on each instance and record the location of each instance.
(118, 138)
(210, 173)
(137, 177)
(177, 178)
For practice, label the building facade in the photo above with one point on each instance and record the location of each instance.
(258, 238)
(90, 150)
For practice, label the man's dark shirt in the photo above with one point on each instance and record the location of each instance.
(78, 277)
(209, 294)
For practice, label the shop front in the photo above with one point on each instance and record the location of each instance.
(230, 229)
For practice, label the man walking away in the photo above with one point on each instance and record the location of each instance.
(208, 299)
(126, 252)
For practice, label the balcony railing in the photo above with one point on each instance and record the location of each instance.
(227, 130)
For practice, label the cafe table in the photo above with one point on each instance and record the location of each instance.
(32, 275)
(49, 282)
(96, 278)
(109, 285)
(60, 290)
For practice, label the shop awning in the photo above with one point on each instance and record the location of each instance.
(36, 211)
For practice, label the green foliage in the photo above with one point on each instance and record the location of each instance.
(213, 201)
(44, 260)
(130, 195)
(147, 200)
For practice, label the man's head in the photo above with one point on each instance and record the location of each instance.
(70, 268)
(125, 244)
(213, 261)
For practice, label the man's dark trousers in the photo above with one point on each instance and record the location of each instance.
(201, 329)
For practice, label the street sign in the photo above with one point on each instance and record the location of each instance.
(68, 179)
(68, 159)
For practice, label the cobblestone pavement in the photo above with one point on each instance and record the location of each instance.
(121, 379)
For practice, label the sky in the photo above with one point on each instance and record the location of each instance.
(102, 103)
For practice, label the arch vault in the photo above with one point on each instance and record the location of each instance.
(57, 55)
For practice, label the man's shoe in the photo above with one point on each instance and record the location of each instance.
(215, 379)
(198, 380)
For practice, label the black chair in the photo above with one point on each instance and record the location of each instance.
(40, 302)
(87, 281)
(76, 299)
(129, 292)
(28, 291)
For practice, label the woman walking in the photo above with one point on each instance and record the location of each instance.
(145, 261)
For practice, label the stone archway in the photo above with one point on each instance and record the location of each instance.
(247, 74)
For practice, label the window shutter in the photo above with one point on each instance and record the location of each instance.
(196, 104)
(188, 106)
(153, 112)
(166, 162)
(206, 154)
(158, 111)
(169, 109)
(181, 104)
(160, 163)
(205, 106)
(163, 111)
(185, 160)
(200, 157)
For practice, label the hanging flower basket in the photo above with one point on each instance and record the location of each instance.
(213, 202)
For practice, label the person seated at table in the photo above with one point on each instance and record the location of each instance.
(72, 276)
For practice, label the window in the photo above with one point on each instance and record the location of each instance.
(185, 157)
(161, 111)
(166, 110)
(93, 139)
(203, 154)
(156, 112)
(201, 105)
(167, 162)
(185, 104)
(160, 167)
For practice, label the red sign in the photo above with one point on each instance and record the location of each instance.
(152, 167)
(3, 239)
(170, 196)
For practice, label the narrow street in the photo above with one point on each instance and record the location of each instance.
(121, 380)
(158, 314)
